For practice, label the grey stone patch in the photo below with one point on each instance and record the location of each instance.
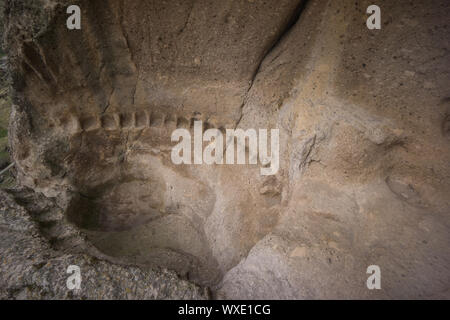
(31, 269)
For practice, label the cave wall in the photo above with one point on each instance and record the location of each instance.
(363, 118)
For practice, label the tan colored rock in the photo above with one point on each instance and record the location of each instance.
(364, 149)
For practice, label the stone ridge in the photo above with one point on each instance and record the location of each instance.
(133, 120)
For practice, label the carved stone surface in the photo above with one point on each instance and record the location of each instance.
(364, 173)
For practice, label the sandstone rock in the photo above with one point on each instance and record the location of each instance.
(364, 153)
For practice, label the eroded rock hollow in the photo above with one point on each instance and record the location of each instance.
(364, 140)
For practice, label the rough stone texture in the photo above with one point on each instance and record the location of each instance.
(31, 269)
(364, 127)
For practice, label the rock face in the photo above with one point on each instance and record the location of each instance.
(364, 144)
(31, 269)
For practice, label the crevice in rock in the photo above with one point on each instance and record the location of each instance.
(283, 33)
(187, 19)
